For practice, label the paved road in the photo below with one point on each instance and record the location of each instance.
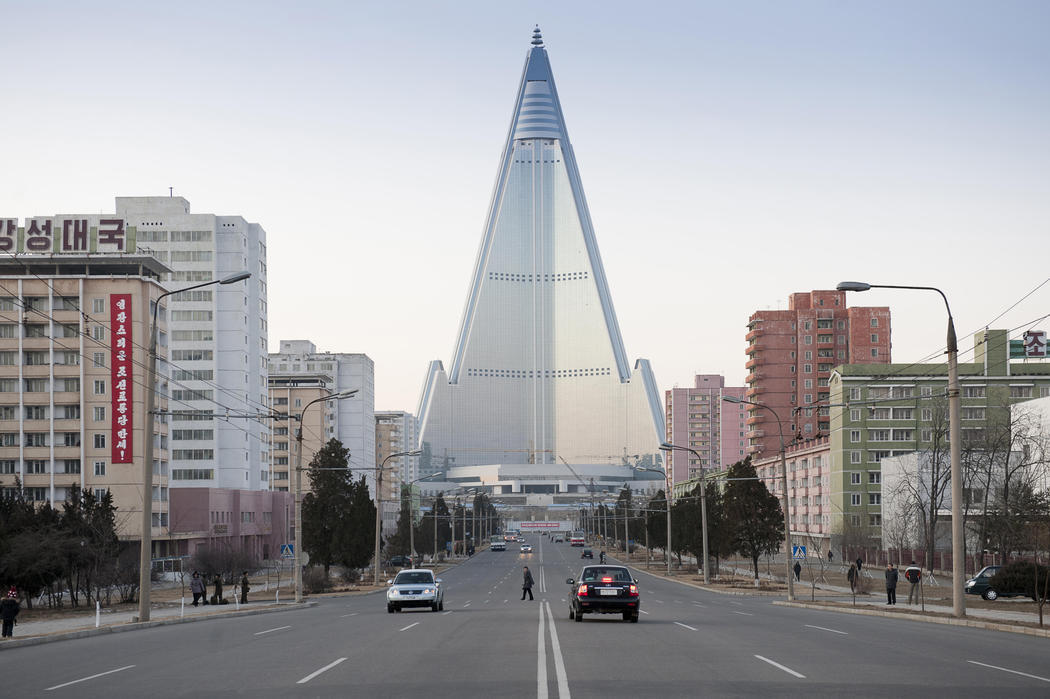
(488, 642)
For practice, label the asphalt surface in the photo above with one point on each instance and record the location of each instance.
(488, 642)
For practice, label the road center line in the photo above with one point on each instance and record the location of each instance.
(691, 628)
(643, 612)
(822, 628)
(315, 673)
(1006, 669)
(346, 615)
(782, 667)
(741, 613)
(446, 613)
(85, 679)
(541, 661)
(279, 628)
(409, 626)
(559, 661)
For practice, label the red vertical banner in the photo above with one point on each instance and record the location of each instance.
(120, 373)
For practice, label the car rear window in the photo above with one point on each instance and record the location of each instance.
(419, 578)
(617, 574)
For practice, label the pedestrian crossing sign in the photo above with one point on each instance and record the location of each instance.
(798, 552)
(286, 551)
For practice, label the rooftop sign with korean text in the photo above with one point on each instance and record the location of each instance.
(66, 235)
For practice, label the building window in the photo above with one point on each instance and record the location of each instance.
(854, 436)
(100, 387)
(854, 415)
(854, 499)
(98, 359)
(874, 352)
(809, 339)
(855, 457)
(71, 465)
(98, 305)
(1020, 391)
(100, 441)
(927, 414)
(98, 413)
(874, 477)
(874, 337)
(98, 333)
(874, 322)
(854, 394)
(874, 499)
(973, 392)
(100, 468)
(854, 479)
(874, 520)
(927, 435)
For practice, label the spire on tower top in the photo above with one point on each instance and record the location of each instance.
(537, 38)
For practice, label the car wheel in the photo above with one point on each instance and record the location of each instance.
(390, 609)
(626, 616)
(434, 607)
(579, 616)
(990, 595)
(572, 615)
(634, 618)
(441, 606)
(397, 608)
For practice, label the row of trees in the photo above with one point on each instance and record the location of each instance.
(64, 553)
(743, 518)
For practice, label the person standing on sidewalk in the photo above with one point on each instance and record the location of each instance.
(852, 577)
(198, 589)
(526, 584)
(244, 587)
(891, 584)
(798, 571)
(217, 597)
(913, 575)
(9, 609)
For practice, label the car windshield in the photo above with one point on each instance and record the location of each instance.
(595, 574)
(414, 578)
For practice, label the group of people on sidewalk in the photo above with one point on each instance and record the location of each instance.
(200, 589)
(913, 574)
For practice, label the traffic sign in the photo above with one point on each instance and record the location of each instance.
(798, 552)
(287, 550)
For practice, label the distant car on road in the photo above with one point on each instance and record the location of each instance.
(497, 544)
(526, 548)
(558, 539)
(587, 553)
(400, 562)
(604, 590)
(521, 539)
(415, 588)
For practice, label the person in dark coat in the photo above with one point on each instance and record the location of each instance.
(198, 589)
(852, 577)
(9, 609)
(830, 555)
(860, 563)
(798, 571)
(891, 584)
(244, 587)
(526, 584)
(218, 588)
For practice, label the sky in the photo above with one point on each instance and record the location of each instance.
(731, 154)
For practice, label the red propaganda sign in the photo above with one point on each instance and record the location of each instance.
(120, 374)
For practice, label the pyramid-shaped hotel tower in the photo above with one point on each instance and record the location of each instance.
(539, 376)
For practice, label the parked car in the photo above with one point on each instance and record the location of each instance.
(587, 553)
(604, 590)
(415, 588)
(980, 584)
(400, 562)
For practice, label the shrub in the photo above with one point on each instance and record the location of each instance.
(315, 581)
(1020, 577)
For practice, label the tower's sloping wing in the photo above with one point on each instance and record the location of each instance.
(539, 369)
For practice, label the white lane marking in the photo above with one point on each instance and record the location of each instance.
(678, 601)
(541, 660)
(559, 661)
(697, 604)
(446, 613)
(822, 628)
(279, 628)
(643, 611)
(315, 673)
(741, 613)
(409, 626)
(739, 604)
(467, 604)
(1006, 669)
(487, 601)
(660, 601)
(85, 679)
(782, 667)
(504, 601)
(691, 628)
(346, 615)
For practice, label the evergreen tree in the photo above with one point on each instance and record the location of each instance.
(326, 509)
(656, 520)
(754, 518)
(361, 526)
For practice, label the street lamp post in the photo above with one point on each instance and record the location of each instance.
(789, 574)
(412, 517)
(145, 554)
(954, 441)
(297, 548)
(379, 502)
(667, 446)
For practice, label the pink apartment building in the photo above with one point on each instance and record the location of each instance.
(698, 418)
(790, 355)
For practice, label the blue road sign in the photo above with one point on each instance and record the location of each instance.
(287, 550)
(798, 552)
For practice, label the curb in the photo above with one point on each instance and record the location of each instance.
(137, 625)
(972, 623)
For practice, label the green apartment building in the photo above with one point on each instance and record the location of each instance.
(882, 410)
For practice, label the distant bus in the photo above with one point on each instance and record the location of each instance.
(577, 539)
(511, 535)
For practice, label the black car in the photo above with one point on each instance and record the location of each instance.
(604, 589)
(400, 562)
(587, 553)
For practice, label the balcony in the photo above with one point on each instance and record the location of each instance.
(751, 363)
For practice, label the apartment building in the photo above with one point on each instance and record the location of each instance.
(698, 418)
(790, 357)
(290, 394)
(396, 432)
(216, 366)
(353, 419)
(75, 310)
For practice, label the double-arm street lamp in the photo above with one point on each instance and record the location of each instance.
(297, 552)
(667, 446)
(379, 501)
(667, 495)
(789, 574)
(412, 515)
(145, 555)
(954, 441)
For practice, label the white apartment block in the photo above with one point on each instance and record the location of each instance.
(217, 354)
(396, 432)
(352, 420)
